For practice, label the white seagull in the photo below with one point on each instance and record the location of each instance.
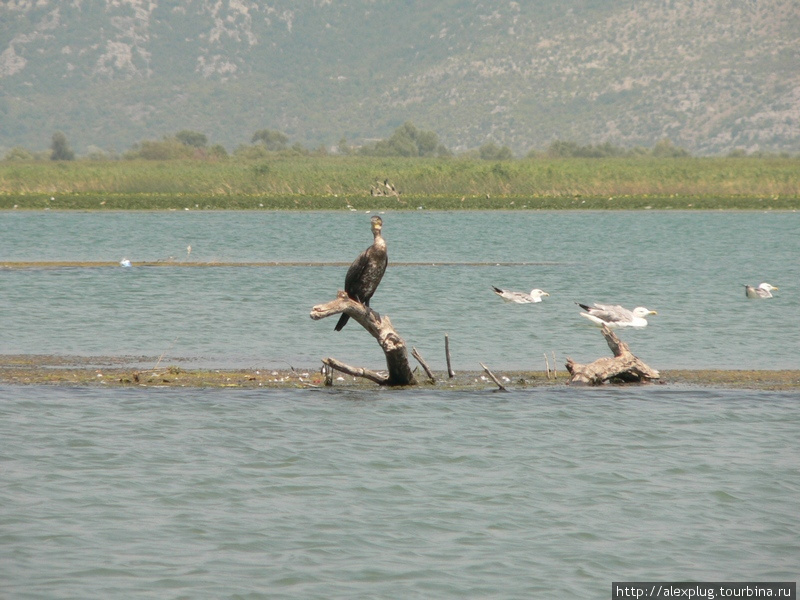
(520, 297)
(764, 290)
(125, 263)
(616, 315)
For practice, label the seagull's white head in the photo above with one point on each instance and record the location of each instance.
(537, 293)
(641, 311)
(767, 287)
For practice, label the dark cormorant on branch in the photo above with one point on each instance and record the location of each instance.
(366, 272)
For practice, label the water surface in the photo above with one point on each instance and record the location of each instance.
(689, 266)
(334, 494)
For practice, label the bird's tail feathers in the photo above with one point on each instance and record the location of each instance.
(342, 322)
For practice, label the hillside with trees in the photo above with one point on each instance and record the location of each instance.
(494, 78)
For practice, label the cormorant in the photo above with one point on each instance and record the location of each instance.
(365, 273)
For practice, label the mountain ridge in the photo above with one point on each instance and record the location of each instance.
(710, 76)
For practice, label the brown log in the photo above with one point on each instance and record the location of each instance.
(624, 365)
(393, 346)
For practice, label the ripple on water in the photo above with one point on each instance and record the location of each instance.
(341, 494)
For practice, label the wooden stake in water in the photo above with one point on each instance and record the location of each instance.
(450, 372)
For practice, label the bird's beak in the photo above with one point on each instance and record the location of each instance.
(652, 312)
(774, 288)
(546, 294)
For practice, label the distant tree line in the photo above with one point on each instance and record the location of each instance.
(565, 149)
(406, 141)
(184, 144)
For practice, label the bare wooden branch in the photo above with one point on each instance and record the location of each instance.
(624, 365)
(327, 373)
(490, 374)
(450, 372)
(546, 365)
(394, 348)
(356, 371)
(342, 303)
(425, 366)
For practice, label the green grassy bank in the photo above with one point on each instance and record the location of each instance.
(329, 182)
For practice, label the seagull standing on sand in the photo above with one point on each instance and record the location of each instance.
(764, 290)
(616, 315)
(520, 297)
(125, 263)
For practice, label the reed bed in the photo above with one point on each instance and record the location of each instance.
(342, 182)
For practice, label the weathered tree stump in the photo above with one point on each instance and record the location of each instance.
(623, 366)
(393, 346)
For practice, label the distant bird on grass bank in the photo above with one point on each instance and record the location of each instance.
(764, 290)
(616, 315)
(520, 297)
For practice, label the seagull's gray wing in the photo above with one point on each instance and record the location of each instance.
(611, 313)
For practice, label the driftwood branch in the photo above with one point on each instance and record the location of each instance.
(355, 371)
(491, 375)
(624, 365)
(425, 366)
(381, 329)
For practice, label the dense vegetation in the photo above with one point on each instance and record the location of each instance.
(291, 181)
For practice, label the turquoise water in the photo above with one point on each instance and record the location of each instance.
(341, 494)
(337, 494)
(689, 266)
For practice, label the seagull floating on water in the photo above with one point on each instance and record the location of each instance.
(125, 263)
(520, 297)
(616, 315)
(764, 290)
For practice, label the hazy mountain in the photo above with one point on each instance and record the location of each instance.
(710, 75)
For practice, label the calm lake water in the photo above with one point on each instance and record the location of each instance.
(339, 493)
(690, 267)
(320, 494)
